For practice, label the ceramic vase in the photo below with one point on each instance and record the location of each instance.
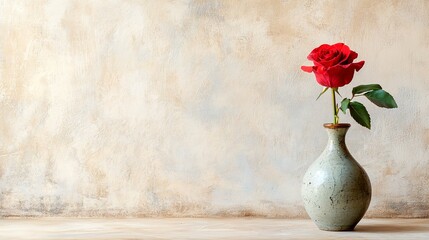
(336, 190)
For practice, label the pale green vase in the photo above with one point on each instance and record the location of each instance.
(336, 190)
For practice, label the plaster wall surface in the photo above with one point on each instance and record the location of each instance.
(199, 108)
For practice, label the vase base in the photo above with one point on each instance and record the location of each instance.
(337, 228)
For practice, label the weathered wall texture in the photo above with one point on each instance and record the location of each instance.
(199, 108)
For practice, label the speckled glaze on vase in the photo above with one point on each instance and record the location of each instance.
(336, 190)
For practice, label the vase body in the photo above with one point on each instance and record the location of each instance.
(336, 190)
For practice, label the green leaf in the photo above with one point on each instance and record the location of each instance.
(324, 90)
(365, 88)
(381, 98)
(360, 114)
(345, 105)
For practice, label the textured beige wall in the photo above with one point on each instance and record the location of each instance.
(199, 108)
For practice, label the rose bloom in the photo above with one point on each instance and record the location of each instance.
(333, 65)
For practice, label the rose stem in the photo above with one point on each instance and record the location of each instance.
(334, 102)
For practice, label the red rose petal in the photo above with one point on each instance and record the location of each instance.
(340, 75)
(308, 69)
(358, 65)
(353, 55)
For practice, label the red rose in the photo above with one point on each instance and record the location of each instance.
(333, 65)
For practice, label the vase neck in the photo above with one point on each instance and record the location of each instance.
(337, 136)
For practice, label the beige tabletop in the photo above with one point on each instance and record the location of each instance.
(203, 228)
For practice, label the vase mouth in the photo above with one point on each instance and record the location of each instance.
(335, 126)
